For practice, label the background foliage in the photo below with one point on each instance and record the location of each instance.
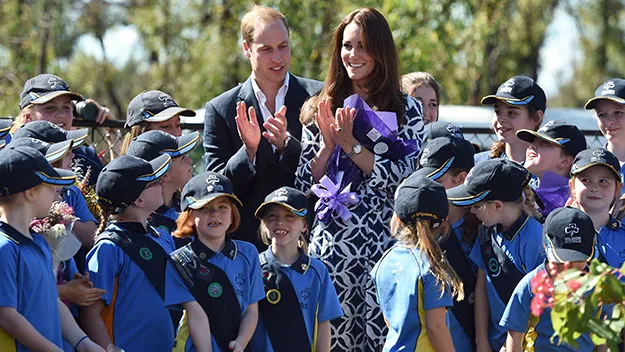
(191, 48)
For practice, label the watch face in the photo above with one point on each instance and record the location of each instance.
(357, 148)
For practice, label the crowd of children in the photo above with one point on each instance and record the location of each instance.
(470, 232)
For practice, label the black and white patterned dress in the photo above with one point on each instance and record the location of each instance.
(351, 249)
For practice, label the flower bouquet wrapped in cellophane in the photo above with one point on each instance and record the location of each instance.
(56, 228)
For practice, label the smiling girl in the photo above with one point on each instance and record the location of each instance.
(519, 103)
(595, 186)
(298, 288)
(221, 274)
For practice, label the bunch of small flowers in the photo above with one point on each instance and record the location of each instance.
(542, 288)
(57, 223)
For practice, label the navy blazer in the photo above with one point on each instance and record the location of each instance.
(225, 152)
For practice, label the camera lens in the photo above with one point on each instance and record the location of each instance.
(88, 111)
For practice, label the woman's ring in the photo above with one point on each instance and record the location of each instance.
(339, 129)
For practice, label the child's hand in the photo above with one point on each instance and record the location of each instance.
(89, 346)
(80, 291)
(235, 346)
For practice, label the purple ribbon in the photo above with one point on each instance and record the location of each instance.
(332, 201)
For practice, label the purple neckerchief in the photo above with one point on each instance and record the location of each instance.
(374, 133)
(554, 190)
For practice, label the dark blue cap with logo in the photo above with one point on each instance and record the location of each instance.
(51, 133)
(418, 197)
(53, 152)
(560, 133)
(22, 168)
(597, 156)
(153, 106)
(288, 197)
(519, 91)
(444, 153)
(205, 188)
(123, 180)
(43, 88)
(152, 144)
(612, 89)
(441, 129)
(569, 236)
(494, 179)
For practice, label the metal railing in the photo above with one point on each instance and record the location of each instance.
(108, 137)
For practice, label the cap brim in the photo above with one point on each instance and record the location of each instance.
(591, 103)
(512, 101)
(59, 177)
(578, 170)
(186, 144)
(42, 99)
(193, 203)
(169, 113)
(58, 150)
(160, 166)
(460, 196)
(263, 207)
(79, 136)
(436, 173)
(529, 136)
(5, 127)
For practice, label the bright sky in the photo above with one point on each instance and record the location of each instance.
(557, 57)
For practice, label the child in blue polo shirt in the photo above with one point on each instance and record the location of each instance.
(31, 315)
(414, 282)
(595, 186)
(447, 160)
(569, 237)
(128, 259)
(549, 157)
(221, 274)
(152, 144)
(609, 105)
(506, 247)
(298, 288)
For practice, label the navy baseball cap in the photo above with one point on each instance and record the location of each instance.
(559, 133)
(53, 152)
(51, 133)
(418, 197)
(22, 168)
(593, 157)
(288, 197)
(569, 236)
(494, 179)
(205, 188)
(612, 89)
(123, 180)
(43, 88)
(441, 129)
(152, 144)
(519, 91)
(153, 106)
(444, 153)
(5, 126)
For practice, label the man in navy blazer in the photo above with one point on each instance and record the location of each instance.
(252, 132)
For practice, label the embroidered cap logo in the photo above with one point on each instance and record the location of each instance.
(167, 100)
(55, 83)
(608, 88)
(571, 229)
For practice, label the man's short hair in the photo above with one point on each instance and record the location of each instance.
(258, 16)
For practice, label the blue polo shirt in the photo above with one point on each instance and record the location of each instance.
(611, 244)
(522, 243)
(317, 296)
(74, 197)
(140, 320)
(239, 260)
(517, 317)
(27, 284)
(405, 289)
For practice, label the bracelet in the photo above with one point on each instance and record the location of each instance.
(79, 341)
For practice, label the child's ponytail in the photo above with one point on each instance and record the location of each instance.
(439, 266)
(497, 149)
(529, 204)
(105, 213)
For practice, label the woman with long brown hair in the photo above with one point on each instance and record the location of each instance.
(354, 160)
